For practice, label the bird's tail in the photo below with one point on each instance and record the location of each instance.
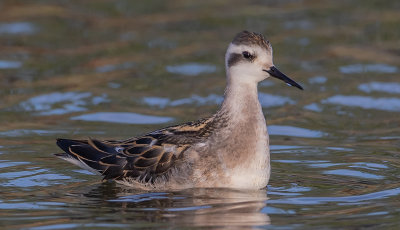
(81, 154)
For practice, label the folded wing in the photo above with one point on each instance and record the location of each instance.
(143, 158)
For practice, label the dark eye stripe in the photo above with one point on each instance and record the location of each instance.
(234, 59)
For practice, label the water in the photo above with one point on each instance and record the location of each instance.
(61, 103)
(15, 28)
(116, 69)
(123, 117)
(191, 69)
(4, 64)
(358, 68)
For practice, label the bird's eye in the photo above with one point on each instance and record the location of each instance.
(247, 55)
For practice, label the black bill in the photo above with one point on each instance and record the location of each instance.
(273, 71)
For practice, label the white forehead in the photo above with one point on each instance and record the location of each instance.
(240, 48)
(260, 52)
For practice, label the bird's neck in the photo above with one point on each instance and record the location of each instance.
(245, 138)
(241, 100)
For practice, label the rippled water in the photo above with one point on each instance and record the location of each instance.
(116, 69)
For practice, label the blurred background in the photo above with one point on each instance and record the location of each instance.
(113, 69)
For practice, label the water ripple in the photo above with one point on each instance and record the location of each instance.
(18, 28)
(269, 100)
(293, 190)
(26, 132)
(317, 80)
(386, 87)
(5, 64)
(34, 177)
(345, 199)
(137, 198)
(382, 103)
(110, 67)
(123, 118)
(360, 68)
(67, 102)
(6, 164)
(191, 69)
(23, 205)
(353, 173)
(313, 107)
(162, 102)
(284, 130)
(266, 100)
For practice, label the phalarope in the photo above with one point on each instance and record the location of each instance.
(228, 149)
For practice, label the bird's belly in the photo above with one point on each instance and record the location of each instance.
(249, 178)
(253, 172)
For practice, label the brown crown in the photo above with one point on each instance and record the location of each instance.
(251, 39)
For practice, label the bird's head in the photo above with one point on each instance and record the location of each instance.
(249, 59)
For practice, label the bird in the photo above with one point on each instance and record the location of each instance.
(229, 149)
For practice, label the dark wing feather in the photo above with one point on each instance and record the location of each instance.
(144, 158)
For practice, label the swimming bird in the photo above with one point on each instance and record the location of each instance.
(228, 149)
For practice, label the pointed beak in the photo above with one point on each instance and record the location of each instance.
(274, 72)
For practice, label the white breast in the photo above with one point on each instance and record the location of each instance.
(255, 173)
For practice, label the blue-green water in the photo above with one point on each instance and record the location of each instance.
(115, 69)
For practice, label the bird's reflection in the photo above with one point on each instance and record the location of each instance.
(207, 207)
